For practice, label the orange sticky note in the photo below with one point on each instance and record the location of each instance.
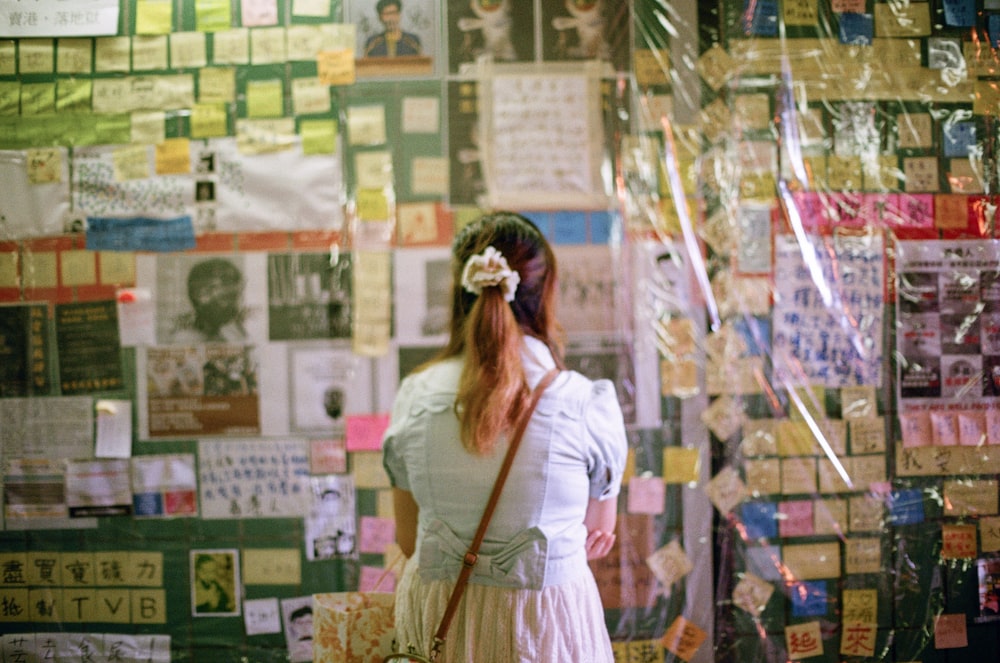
(683, 638)
(173, 157)
(958, 541)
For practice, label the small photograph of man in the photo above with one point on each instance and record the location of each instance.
(214, 582)
(392, 41)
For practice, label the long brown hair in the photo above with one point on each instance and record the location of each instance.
(492, 390)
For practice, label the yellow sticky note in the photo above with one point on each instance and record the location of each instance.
(42, 568)
(73, 95)
(35, 56)
(145, 569)
(336, 67)
(863, 555)
(79, 267)
(149, 52)
(148, 127)
(187, 50)
(10, 98)
(796, 439)
(860, 605)
(173, 157)
(366, 124)
(803, 640)
(38, 98)
(310, 95)
(216, 85)
(8, 270)
(366, 466)
(8, 57)
(74, 56)
(21, 597)
(812, 561)
(271, 566)
(858, 638)
(149, 606)
(318, 136)
(212, 15)
(989, 534)
(117, 267)
(40, 269)
(113, 606)
(681, 465)
(372, 205)
(209, 120)
(800, 12)
(267, 45)
(112, 54)
(970, 497)
(44, 605)
(154, 17)
(265, 98)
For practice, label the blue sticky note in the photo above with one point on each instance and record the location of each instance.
(570, 228)
(993, 29)
(541, 219)
(809, 598)
(147, 504)
(960, 13)
(140, 234)
(600, 227)
(760, 519)
(760, 17)
(906, 507)
(857, 29)
(958, 138)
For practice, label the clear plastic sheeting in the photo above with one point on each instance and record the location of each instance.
(809, 188)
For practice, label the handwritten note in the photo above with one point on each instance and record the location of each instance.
(958, 541)
(253, 478)
(858, 639)
(681, 465)
(546, 122)
(261, 616)
(726, 489)
(803, 640)
(271, 566)
(803, 319)
(989, 534)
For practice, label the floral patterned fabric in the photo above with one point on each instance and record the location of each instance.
(352, 627)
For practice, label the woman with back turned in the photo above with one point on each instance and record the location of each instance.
(531, 596)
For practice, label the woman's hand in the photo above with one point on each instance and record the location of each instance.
(599, 543)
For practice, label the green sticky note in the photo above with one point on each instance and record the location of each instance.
(212, 15)
(318, 136)
(73, 95)
(265, 98)
(154, 17)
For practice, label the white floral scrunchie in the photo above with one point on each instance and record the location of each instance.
(488, 269)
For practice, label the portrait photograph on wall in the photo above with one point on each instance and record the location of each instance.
(394, 37)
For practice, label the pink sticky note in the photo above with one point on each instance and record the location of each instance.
(365, 431)
(916, 429)
(376, 534)
(795, 518)
(327, 457)
(645, 495)
(950, 632)
(375, 578)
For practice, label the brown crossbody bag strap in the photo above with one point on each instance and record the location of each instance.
(472, 553)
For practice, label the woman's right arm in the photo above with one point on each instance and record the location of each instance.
(406, 512)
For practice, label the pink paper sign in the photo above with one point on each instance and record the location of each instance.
(365, 431)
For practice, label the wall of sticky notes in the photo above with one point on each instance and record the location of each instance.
(776, 227)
